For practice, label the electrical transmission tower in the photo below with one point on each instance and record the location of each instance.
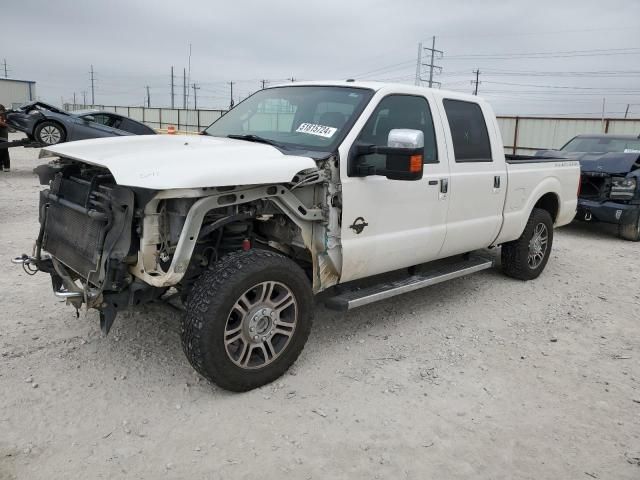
(476, 82)
(434, 54)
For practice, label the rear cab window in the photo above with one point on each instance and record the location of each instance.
(468, 131)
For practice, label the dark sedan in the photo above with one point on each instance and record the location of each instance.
(49, 125)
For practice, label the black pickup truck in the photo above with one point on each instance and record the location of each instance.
(610, 180)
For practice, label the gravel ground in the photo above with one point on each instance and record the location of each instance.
(481, 377)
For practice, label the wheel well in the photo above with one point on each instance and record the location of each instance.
(549, 202)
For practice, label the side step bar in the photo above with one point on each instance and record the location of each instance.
(358, 298)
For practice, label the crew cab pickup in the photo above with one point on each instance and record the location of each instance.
(299, 189)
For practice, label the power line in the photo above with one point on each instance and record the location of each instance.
(476, 81)
(173, 95)
(93, 93)
(195, 96)
(184, 88)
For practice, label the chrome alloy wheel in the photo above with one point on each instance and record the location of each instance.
(538, 246)
(260, 325)
(50, 134)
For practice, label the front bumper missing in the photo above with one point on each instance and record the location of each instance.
(607, 212)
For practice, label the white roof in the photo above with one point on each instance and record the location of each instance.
(396, 87)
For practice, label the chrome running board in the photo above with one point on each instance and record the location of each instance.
(357, 298)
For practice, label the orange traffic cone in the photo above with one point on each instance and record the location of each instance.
(171, 130)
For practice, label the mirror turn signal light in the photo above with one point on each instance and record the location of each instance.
(415, 163)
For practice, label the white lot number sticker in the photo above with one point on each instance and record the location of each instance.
(314, 129)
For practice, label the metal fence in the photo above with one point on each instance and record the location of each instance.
(160, 118)
(521, 135)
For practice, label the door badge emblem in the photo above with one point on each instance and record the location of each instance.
(358, 225)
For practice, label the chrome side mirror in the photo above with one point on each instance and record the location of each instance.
(405, 138)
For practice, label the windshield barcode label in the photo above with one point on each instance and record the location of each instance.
(319, 130)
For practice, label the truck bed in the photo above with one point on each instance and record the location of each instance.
(516, 159)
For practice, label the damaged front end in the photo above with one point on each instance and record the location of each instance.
(85, 229)
(610, 188)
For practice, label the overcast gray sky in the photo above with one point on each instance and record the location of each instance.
(573, 53)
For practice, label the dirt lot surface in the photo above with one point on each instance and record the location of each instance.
(481, 377)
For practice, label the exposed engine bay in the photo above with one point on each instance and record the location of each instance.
(109, 247)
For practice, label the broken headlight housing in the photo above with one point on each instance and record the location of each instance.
(622, 188)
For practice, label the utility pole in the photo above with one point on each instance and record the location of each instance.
(173, 95)
(184, 88)
(476, 82)
(74, 100)
(626, 112)
(604, 100)
(4, 64)
(432, 66)
(84, 99)
(148, 98)
(264, 82)
(93, 92)
(418, 81)
(231, 103)
(292, 79)
(195, 96)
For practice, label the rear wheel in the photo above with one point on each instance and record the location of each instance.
(630, 231)
(50, 133)
(247, 319)
(526, 257)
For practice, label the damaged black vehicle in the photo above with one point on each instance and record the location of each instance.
(610, 180)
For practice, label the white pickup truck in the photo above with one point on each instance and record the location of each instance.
(296, 190)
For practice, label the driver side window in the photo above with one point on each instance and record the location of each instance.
(399, 111)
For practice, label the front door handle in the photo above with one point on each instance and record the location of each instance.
(496, 181)
(444, 185)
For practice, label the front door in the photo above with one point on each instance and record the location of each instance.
(392, 224)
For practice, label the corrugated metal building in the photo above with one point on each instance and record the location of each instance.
(14, 93)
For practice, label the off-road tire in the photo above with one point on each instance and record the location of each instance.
(515, 254)
(630, 231)
(39, 135)
(209, 304)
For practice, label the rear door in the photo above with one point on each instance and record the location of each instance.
(478, 177)
(391, 224)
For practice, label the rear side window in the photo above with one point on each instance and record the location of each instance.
(468, 131)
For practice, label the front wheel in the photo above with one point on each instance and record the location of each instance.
(247, 319)
(630, 231)
(526, 257)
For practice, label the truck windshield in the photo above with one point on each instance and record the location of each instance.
(295, 117)
(602, 145)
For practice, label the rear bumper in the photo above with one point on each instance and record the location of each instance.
(607, 212)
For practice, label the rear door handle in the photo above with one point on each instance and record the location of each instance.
(444, 185)
(496, 181)
(433, 182)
